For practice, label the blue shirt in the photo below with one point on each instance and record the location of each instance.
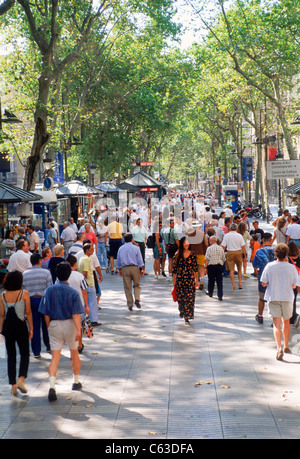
(61, 302)
(129, 254)
(262, 257)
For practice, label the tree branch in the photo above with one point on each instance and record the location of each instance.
(6, 6)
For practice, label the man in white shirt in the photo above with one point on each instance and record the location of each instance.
(67, 237)
(293, 231)
(228, 211)
(280, 278)
(235, 244)
(20, 260)
(73, 225)
(33, 239)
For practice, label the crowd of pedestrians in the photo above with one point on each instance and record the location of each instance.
(58, 287)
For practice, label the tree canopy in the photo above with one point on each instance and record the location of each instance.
(106, 82)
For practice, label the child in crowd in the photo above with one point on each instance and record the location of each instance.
(254, 245)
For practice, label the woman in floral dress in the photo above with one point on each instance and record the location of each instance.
(185, 279)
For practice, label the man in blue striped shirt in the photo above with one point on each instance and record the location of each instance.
(36, 280)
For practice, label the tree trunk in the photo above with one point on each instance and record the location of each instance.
(283, 122)
(41, 134)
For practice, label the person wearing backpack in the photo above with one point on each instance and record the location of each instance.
(262, 257)
(15, 313)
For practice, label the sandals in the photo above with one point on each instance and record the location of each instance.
(279, 355)
(21, 386)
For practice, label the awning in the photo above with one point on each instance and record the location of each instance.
(108, 187)
(47, 197)
(126, 186)
(10, 193)
(143, 180)
(293, 189)
(75, 188)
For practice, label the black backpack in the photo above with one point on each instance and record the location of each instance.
(150, 241)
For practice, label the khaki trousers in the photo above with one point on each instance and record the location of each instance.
(131, 278)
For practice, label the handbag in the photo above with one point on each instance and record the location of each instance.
(174, 294)
(171, 248)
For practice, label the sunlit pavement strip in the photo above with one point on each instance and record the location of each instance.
(146, 375)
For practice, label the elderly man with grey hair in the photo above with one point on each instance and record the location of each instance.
(235, 245)
(218, 231)
(214, 261)
(67, 237)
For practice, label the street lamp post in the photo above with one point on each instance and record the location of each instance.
(249, 170)
(219, 173)
(93, 169)
(234, 172)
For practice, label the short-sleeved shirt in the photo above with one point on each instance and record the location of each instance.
(68, 234)
(139, 233)
(78, 282)
(233, 241)
(85, 265)
(215, 255)
(293, 231)
(36, 280)
(52, 235)
(33, 239)
(115, 230)
(61, 302)
(280, 277)
(19, 260)
(91, 236)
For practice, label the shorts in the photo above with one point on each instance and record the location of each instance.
(62, 332)
(114, 245)
(200, 260)
(282, 309)
(234, 258)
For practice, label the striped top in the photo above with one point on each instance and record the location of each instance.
(36, 280)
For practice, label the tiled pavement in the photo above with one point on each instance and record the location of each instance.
(139, 374)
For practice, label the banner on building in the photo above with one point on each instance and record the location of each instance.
(58, 176)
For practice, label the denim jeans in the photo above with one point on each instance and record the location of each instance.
(101, 254)
(38, 324)
(92, 300)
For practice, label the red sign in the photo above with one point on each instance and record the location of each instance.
(149, 189)
(147, 163)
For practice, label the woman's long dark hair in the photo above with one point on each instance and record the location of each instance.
(179, 253)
